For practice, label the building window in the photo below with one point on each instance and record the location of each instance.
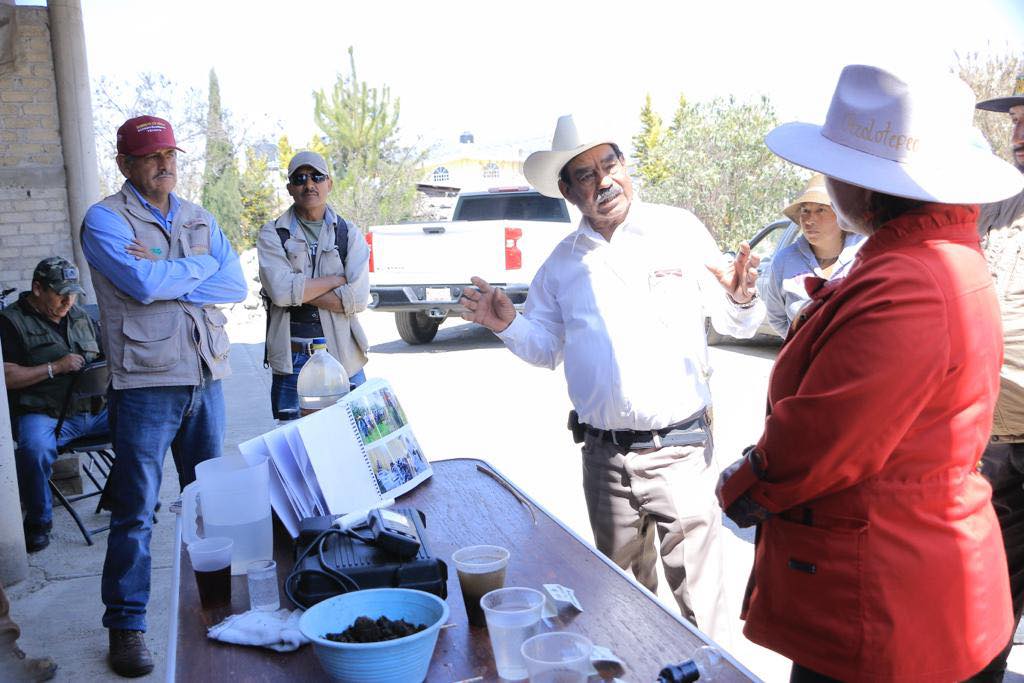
(491, 171)
(440, 175)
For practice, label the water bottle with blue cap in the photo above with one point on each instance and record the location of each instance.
(322, 380)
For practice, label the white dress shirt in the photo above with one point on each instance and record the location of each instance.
(626, 316)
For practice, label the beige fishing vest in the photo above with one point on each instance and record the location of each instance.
(163, 343)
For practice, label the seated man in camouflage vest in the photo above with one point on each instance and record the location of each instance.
(46, 337)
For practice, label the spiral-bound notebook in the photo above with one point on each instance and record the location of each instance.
(349, 456)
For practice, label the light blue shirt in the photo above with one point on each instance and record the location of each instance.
(214, 278)
(785, 294)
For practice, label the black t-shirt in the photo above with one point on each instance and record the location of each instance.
(13, 345)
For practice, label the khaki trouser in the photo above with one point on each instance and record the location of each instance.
(671, 491)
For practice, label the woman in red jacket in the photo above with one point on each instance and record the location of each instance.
(878, 555)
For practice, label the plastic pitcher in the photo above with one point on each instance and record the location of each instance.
(322, 380)
(232, 494)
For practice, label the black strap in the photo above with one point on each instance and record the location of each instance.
(340, 241)
(340, 237)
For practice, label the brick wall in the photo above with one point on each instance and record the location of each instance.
(33, 196)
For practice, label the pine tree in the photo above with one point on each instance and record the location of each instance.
(374, 174)
(221, 195)
(258, 196)
(645, 146)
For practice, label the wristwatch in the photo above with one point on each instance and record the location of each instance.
(749, 304)
(49, 370)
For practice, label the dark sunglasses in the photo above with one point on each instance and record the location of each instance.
(301, 178)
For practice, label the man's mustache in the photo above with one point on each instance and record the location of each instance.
(608, 193)
(163, 174)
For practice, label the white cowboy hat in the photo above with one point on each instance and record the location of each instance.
(905, 137)
(541, 168)
(814, 193)
(1003, 104)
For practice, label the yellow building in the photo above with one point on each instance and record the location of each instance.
(471, 166)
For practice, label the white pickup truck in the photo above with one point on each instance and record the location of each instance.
(418, 270)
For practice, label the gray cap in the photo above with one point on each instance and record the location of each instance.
(311, 159)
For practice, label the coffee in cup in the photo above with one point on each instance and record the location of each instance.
(481, 569)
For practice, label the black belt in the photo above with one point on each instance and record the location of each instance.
(689, 432)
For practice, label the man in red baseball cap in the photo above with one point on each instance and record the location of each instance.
(160, 267)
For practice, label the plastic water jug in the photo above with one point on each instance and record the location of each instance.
(232, 495)
(322, 380)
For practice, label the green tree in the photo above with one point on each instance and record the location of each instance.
(374, 174)
(258, 196)
(991, 75)
(718, 167)
(221, 194)
(650, 166)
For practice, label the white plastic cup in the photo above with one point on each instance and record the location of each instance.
(261, 578)
(513, 616)
(481, 569)
(211, 563)
(558, 657)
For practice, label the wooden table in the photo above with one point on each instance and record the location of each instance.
(463, 506)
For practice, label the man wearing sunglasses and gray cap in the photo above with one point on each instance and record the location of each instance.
(160, 266)
(314, 266)
(46, 337)
(1002, 227)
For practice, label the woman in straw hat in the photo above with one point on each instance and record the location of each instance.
(878, 555)
(822, 250)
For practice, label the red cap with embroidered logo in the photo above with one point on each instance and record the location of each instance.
(144, 135)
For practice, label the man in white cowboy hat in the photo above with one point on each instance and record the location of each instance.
(1002, 227)
(622, 301)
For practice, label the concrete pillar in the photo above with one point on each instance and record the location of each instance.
(13, 557)
(74, 100)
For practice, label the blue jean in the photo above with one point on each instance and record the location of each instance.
(37, 449)
(283, 392)
(144, 424)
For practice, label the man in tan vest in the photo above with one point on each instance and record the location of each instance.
(1002, 228)
(160, 266)
(314, 269)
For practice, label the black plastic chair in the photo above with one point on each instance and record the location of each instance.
(90, 383)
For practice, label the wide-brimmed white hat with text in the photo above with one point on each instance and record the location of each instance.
(541, 168)
(908, 135)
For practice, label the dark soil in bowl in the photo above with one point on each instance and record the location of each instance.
(367, 630)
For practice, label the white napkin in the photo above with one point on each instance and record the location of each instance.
(275, 630)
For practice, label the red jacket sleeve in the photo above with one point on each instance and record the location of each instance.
(869, 373)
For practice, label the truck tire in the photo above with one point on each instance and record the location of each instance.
(415, 327)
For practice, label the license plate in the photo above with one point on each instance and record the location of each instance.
(438, 294)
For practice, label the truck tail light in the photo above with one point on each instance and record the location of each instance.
(369, 244)
(513, 257)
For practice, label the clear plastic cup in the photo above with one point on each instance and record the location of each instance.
(481, 569)
(559, 657)
(211, 563)
(513, 616)
(261, 576)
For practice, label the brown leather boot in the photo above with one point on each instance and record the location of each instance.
(129, 655)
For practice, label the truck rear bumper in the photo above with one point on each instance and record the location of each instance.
(436, 300)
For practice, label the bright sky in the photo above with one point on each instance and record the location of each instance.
(506, 71)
